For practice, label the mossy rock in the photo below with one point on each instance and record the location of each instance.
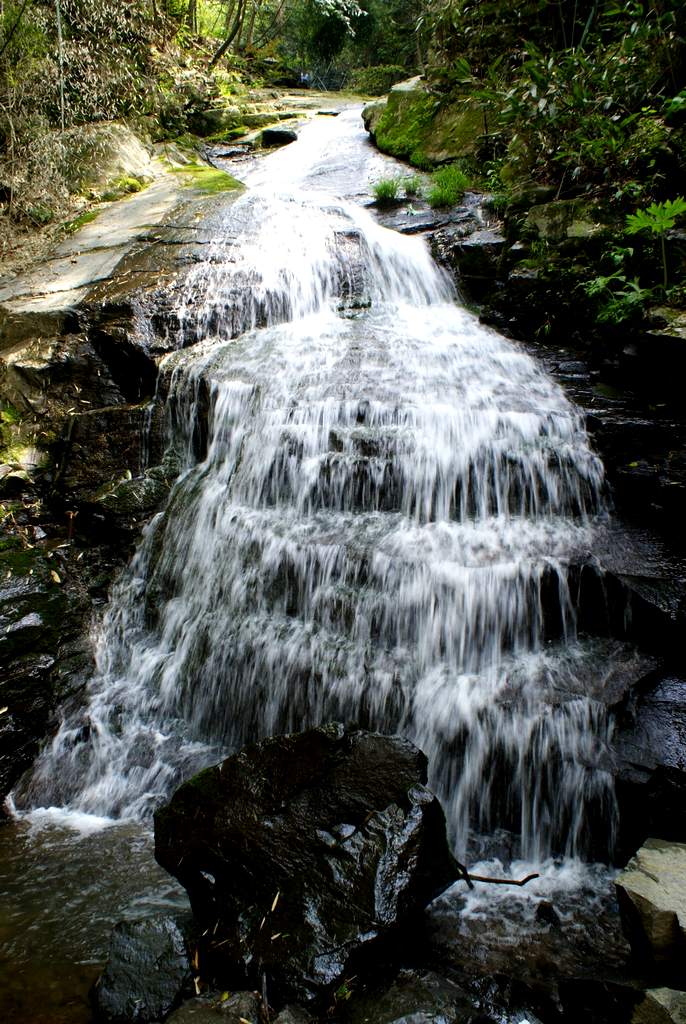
(415, 125)
(209, 180)
(218, 119)
(568, 220)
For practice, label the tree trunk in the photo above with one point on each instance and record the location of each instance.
(233, 32)
(251, 26)
(192, 16)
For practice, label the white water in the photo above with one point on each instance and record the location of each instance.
(378, 529)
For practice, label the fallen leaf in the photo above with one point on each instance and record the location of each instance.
(55, 576)
(3, 710)
(276, 900)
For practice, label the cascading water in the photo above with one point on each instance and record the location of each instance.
(379, 504)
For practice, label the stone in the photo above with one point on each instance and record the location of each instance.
(414, 124)
(292, 1015)
(371, 115)
(236, 1008)
(214, 120)
(278, 136)
(147, 972)
(574, 221)
(102, 153)
(661, 1006)
(413, 997)
(303, 855)
(652, 900)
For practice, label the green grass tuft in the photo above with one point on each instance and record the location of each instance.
(449, 184)
(386, 190)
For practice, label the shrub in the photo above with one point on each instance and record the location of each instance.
(376, 81)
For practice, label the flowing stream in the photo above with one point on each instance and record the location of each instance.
(378, 514)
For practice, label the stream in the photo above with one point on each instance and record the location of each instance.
(378, 509)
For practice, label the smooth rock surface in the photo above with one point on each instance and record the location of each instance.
(652, 900)
(302, 853)
(147, 972)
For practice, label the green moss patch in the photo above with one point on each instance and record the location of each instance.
(78, 222)
(416, 126)
(207, 179)
(405, 123)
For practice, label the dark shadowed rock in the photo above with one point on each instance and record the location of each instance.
(147, 972)
(415, 997)
(230, 1009)
(293, 1015)
(278, 136)
(302, 854)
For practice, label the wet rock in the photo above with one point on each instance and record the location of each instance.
(415, 997)
(100, 449)
(278, 136)
(546, 914)
(234, 1009)
(147, 972)
(303, 855)
(651, 763)
(475, 256)
(661, 1006)
(652, 901)
(34, 623)
(292, 1015)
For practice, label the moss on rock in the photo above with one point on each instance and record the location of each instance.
(207, 179)
(413, 124)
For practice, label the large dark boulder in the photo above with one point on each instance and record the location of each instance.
(304, 855)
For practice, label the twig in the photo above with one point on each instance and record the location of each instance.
(503, 881)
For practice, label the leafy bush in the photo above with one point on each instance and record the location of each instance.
(376, 81)
(449, 184)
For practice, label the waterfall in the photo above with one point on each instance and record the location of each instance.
(380, 505)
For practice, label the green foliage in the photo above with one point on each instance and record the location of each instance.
(386, 190)
(618, 297)
(449, 184)
(578, 89)
(412, 186)
(658, 219)
(375, 81)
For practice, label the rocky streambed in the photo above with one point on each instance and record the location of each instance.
(88, 364)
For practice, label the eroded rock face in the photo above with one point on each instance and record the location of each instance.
(302, 854)
(652, 900)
